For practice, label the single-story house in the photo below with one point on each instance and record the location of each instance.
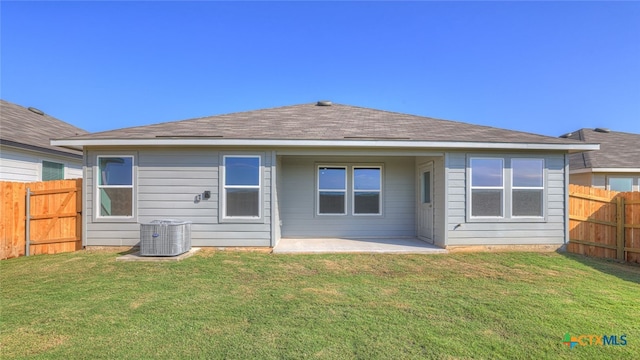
(616, 166)
(325, 170)
(26, 153)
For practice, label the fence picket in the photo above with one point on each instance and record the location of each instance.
(604, 223)
(56, 224)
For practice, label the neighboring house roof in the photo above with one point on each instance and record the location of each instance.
(24, 128)
(618, 150)
(317, 125)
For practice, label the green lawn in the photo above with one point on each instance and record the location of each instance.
(253, 305)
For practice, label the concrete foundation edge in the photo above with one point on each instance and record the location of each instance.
(506, 248)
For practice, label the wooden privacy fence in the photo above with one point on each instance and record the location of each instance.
(55, 217)
(604, 223)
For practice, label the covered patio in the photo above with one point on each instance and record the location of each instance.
(355, 245)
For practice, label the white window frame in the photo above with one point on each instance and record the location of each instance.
(344, 191)
(513, 187)
(507, 183)
(98, 174)
(225, 187)
(472, 187)
(633, 181)
(353, 190)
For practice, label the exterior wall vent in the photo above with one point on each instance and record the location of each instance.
(602, 130)
(323, 103)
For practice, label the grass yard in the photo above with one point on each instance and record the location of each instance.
(240, 305)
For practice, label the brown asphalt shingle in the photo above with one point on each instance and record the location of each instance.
(23, 128)
(617, 150)
(335, 122)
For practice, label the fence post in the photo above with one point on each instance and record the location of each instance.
(27, 237)
(620, 228)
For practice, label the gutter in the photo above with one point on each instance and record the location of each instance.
(322, 143)
(605, 170)
(17, 145)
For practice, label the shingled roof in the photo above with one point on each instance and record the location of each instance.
(617, 150)
(21, 127)
(334, 122)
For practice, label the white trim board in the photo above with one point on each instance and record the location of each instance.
(605, 170)
(323, 143)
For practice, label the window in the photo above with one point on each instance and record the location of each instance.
(506, 188)
(620, 184)
(241, 186)
(115, 186)
(52, 171)
(335, 182)
(487, 187)
(366, 190)
(426, 187)
(332, 190)
(527, 187)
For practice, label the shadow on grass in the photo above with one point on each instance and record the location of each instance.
(129, 251)
(625, 271)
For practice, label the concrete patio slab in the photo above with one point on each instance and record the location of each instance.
(351, 245)
(136, 256)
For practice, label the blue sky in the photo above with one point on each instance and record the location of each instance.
(542, 67)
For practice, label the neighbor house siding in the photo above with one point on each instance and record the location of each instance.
(633, 175)
(298, 194)
(583, 179)
(168, 181)
(505, 232)
(26, 166)
(601, 180)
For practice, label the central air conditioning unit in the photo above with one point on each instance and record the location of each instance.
(168, 237)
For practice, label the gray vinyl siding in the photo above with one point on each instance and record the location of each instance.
(298, 192)
(511, 231)
(440, 192)
(167, 182)
(275, 198)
